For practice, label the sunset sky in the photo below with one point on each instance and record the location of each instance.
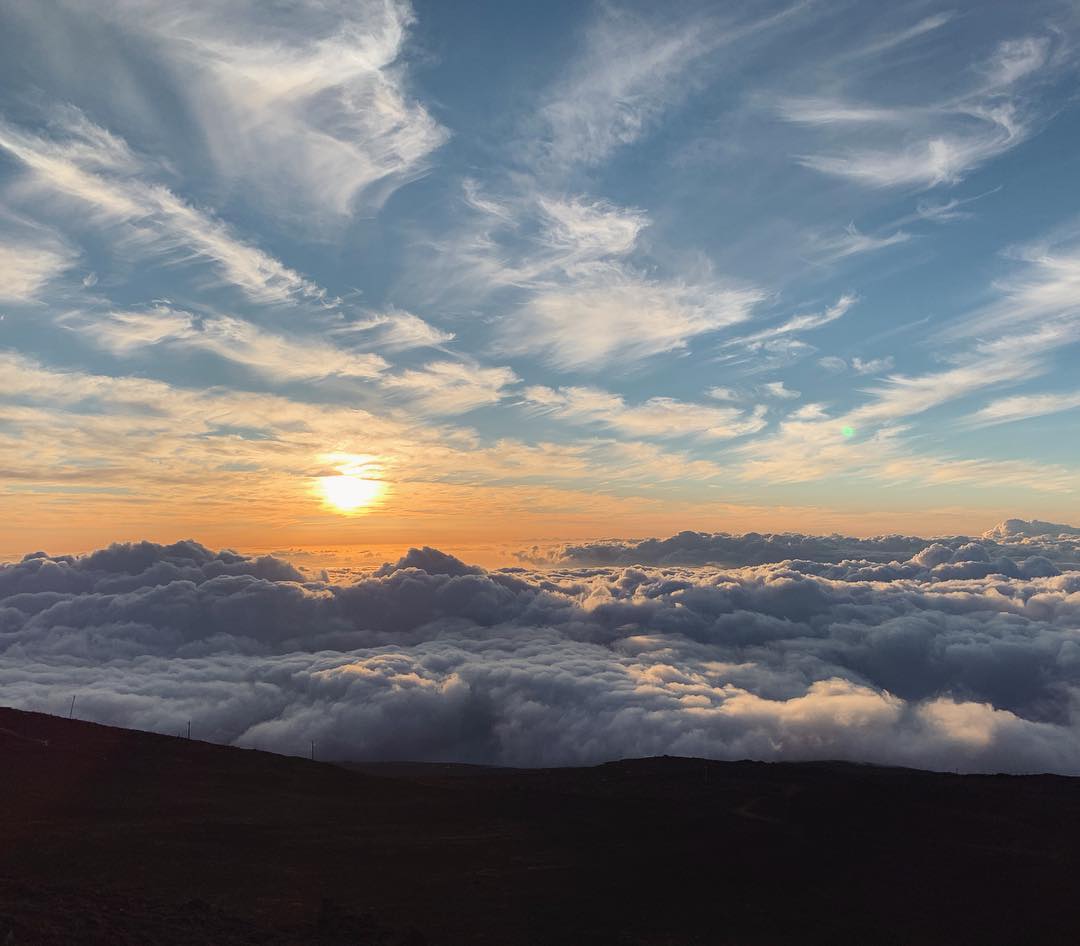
(364, 272)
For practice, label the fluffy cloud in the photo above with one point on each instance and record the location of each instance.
(882, 558)
(431, 658)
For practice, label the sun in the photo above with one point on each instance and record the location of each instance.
(347, 492)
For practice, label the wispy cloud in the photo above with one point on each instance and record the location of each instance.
(872, 365)
(396, 330)
(887, 41)
(304, 107)
(25, 268)
(95, 169)
(804, 322)
(656, 417)
(630, 70)
(931, 142)
(853, 242)
(616, 314)
(777, 389)
(269, 354)
(451, 387)
(1022, 407)
(1007, 359)
(585, 302)
(1042, 289)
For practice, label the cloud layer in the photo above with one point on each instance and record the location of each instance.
(948, 658)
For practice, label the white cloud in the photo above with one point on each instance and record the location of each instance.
(304, 107)
(723, 394)
(1016, 59)
(1021, 407)
(1044, 290)
(930, 143)
(777, 390)
(655, 417)
(451, 387)
(871, 365)
(25, 268)
(580, 231)
(852, 242)
(942, 159)
(630, 70)
(891, 40)
(938, 661)
(614, 314)
(584, 303)
(97, 170)
(274, 356)
(865, 441)
(801, 323)
(396, 330)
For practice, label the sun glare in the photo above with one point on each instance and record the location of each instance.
(349, 493)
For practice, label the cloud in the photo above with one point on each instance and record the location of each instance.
(397, 330)
(451, 387)
(25, 268)
(1009, 358)
(305, 109)
(871, 365)
(630, 70)
(1036, 528)
(929, 143)
(857, 559)
(1041, 290)
(272, 355)
(777, 390)
(428, 658)
(890, 40)
(804, 322)
(1021, 407)
(852, 242)
(573, 280)
(655, 417)
(615, 314)
(89, 166)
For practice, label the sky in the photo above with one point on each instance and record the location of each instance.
(328, 272)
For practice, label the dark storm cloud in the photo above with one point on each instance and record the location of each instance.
(952, 657)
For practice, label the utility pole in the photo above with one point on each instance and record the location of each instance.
(71, 711)
(189, 729)
(312, 750)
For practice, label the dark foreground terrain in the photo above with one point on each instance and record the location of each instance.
(114, 837)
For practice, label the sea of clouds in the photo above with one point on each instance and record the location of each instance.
(955, 654)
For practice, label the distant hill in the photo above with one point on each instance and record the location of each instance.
(114, 836)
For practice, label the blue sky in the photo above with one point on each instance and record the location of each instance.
(536, 269)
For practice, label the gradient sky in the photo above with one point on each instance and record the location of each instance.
(526, 270)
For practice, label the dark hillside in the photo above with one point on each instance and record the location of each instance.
(114, 836)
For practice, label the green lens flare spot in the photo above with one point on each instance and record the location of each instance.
(848, 431)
